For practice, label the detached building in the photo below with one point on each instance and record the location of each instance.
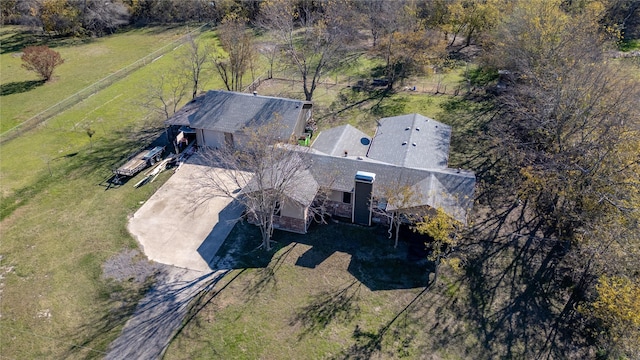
(220, 118)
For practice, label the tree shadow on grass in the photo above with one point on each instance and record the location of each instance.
(523, 297)
(22, 39)
(328, 307)
(18, 87)
(368, 343)
(149, 317)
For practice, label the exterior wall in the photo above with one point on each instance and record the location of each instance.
(336, 195)
(240, 140)
(290, 224)
(305, 116)
(212, 139)
(338, 208)
(292, 209)
(380, 219)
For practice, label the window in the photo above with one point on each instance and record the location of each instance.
(346, 197)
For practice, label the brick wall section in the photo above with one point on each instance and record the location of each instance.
(337, 208)
(289, 224)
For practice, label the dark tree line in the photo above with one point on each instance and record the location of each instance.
(565, 134)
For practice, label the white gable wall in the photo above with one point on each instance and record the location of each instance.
(210, 138)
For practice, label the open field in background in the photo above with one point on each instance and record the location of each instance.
(85, 62)
(113, 112)
(60, 224)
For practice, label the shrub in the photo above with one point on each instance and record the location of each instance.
(42, 60)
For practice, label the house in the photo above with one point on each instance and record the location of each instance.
(351, 172)
(221, 118)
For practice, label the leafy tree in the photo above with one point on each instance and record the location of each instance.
(238, 43)
(617, 306)
(443, 230)
(90, 132)
(405, 45)
(314, 36)
(60, 16)
(42, 60)
(470, 17)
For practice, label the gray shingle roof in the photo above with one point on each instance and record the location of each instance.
(450, 189)
(412, 140)
(181, 117)
(338, 140)
(301, 186)
(230, 111)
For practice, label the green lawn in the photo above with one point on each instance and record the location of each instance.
(85, 62)
(338, 292)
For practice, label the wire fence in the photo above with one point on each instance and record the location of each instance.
(101, 84)
(435, 85)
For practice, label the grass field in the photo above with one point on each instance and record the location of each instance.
(85, 62)
(60, 224)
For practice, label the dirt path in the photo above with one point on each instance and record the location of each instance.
(161, 312)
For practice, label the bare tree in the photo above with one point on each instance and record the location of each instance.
(261, 175)
(99, 17)
(237, 42)
(399, 199)
(314, 36)
(193, 59)
(165, 93)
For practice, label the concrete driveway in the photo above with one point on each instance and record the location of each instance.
(173, 231)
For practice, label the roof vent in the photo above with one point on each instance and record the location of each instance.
(417, 129)
(255, 93)
(360, 158)
(414, 144)
(407, 128)
(404, 143)
(346, 153)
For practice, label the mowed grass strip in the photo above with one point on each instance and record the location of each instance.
(85, 62)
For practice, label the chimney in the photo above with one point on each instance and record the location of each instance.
(363, 193)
